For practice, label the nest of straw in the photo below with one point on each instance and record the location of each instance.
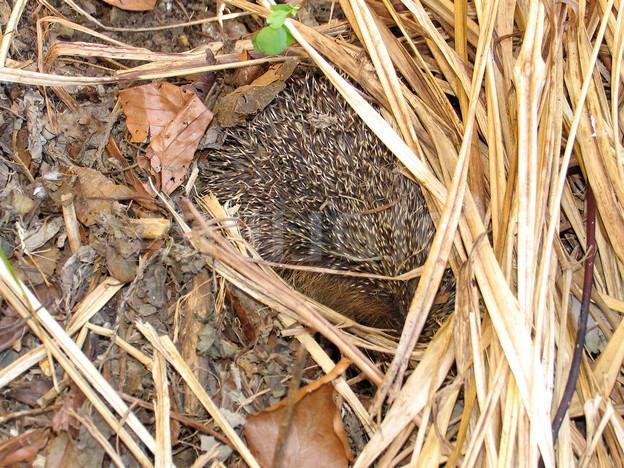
(508, 115)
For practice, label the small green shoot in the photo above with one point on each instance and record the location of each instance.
(275, 38)
(4, 259)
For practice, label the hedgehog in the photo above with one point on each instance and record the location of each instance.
(315, 187)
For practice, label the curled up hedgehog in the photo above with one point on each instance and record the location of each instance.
(316, 187)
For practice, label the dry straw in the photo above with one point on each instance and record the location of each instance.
(533, 118)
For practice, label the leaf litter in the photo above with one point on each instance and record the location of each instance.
(315, 435)
(174, 121)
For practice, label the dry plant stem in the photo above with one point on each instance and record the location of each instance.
(529, 77)
(165, 346)
(74, 26)
(415, 273)
(33, 412)
(74, 362)
(443, 240)
(89, 306)
(162, 408)
(178, 417)
(502, 306)
(71, 222)
(9, 30)
(71, 357)
(384, 68)
(99, 437)
(430, 372)
(26, 77)
(291, 399)
(318, 354)
(565, 160)
(219, 249)
(486, 417)
(475, 172)
(579, 344)
(618, 47)
(123, 344)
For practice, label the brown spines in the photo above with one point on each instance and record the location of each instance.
(317, 188)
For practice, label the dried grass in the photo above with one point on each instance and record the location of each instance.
(538, 89)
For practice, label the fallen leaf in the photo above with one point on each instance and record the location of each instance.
(29, 392)
(144, 197)
(23, 448)
(149, 108)
(21, 145)
(38, 234)
(62, 420)
(236, 107)
(36, 269)
(170, 153)
(121, 268)
(243, 75)
(316, 436)
(62, 451)
(11, 328)
(175, 119)
(19, 203)
(132, 5)
(96, 194)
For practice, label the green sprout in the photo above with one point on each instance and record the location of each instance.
(4, 259)
(275, 38)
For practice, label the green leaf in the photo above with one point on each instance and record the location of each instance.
(279, 13)
(289, 38)
(277, 20)
(284, 7)
(271, 41)
(274, 38)
(7, 264)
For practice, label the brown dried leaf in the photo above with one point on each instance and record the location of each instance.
(149, 108)
(170, 153)
(175, 119)
(144, 197)
(132, 5)
(62, 451)
(11, 328)
(23, 448)
(243, 75)
(62, 420)
(315, 438)
(236, 107)
(96, 195)
(22, 152)
(121, 268)
(29, 392)
(37, 268)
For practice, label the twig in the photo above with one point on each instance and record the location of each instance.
(291, 400)
(582, 325)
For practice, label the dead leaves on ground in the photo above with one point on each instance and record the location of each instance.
(132, 5)
(316, 436)
(175, 119)
(97, 194)
(23, 448)
(236, 107)
(12, 327)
